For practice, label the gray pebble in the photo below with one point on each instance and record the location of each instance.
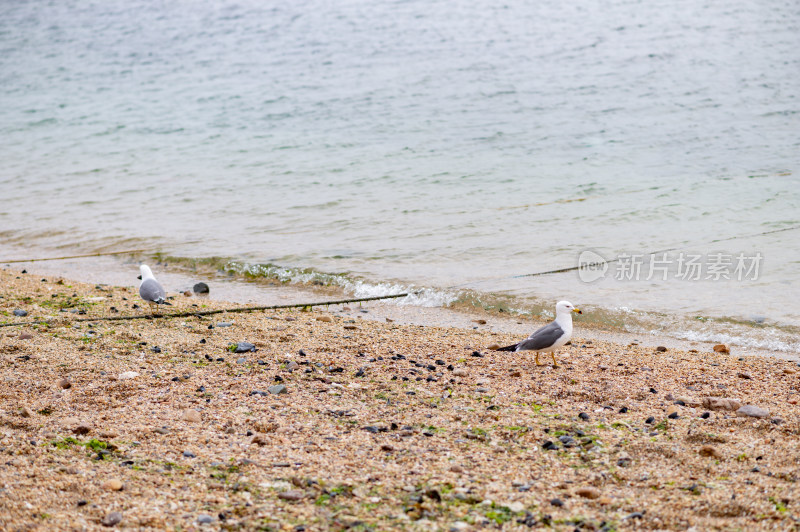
(112, 519)
(204, 519)
(20, 313)
(277, 389)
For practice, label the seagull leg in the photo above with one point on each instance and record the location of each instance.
(553, 354)
(537, 358)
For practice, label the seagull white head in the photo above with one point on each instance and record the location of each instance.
(146, 273)
(565, 307)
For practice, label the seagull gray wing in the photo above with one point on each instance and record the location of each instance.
(542, 338)
(151, 290)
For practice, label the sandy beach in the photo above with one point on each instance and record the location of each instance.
(329, 421)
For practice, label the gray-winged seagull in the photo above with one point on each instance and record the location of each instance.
(151, 290)
(550, 337)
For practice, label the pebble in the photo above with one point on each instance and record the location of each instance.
(112, 519)
(752, 411)
(623, 460)
(584, 416)
(200, 288)
(324, 318)
(189, 454)
(460, 372)
(650, 420)
(456, 469)
(277, 389)
(128, 375)
(588, 492)
(744, 375)
(20, 313)
(244, 347)
(515, 506)
(673, 409)
(64, 384)
(82, 429)
(707, 450)
(224, 324)
(24, 411)
(661, 349)
(191, 415)
(721, 403)
(482, 390)
(204, 519)
(293, 495)
(25, 336)
(721, 348)
(557, 502)
(493, 347)
(113, 484)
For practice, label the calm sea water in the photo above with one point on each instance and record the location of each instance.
(421, 144)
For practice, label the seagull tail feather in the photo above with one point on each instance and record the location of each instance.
(508, 348)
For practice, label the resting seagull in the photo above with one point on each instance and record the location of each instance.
(151, 290)
(551, 336)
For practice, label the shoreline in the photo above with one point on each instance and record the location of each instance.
(177, 278)
(374, 425)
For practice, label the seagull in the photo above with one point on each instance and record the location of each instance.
(550, 337)
(151, 290)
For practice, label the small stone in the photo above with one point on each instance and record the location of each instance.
(460, 372)
(752, 411)
(479, 322)
(224, 324)
(623, 460)
(588, 492)
(482, 390)
(187, 294)
(293, 495)
(516, 507)
(324, 318)
(557, 502)
(241, 360)
(673, 415)
(721, 348)
(584, 416)
(706, 415)
(456, 469)
(650, 420)
(789, 371)
(721, 403)
(709, 451)
(200, 288)
(204, 519)
(24, 411)
(64, 384)
(387, 448)
(277, 389)
(673, 409)
(25, 336)
(493, 347)
(191, 415)
(244, 347)
(623, 410)
(189, 454)
(744, 375)
(82, 430)
(112, 519)
(128, 375)
(112, 484)
(661, 349)
(20, 313)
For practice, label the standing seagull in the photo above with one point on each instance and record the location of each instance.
(151, 290)
(550, 337)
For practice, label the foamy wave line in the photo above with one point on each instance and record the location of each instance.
(422, 297)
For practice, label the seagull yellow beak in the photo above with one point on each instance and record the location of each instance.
(577, 310)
